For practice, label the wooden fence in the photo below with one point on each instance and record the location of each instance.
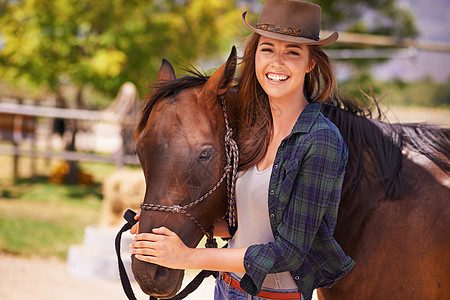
(20, 122)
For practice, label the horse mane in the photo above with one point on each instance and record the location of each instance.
(164, 89)
(382, 143)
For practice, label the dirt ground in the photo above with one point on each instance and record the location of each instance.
(49, 279)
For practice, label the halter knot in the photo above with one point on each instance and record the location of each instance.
(176, 209)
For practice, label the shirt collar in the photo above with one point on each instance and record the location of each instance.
(307, 118)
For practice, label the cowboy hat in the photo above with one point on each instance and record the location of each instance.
(291, 21)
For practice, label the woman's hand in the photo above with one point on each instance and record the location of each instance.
(135, 228)
(162, 247)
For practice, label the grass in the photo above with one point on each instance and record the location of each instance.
(38, 237)
(38, 218)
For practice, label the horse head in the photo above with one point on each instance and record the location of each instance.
(181, 147)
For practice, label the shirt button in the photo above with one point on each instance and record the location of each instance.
(297, 277)
(275, 167)
(272, 216)
(272, 192)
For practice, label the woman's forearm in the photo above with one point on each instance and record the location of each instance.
(163, 247)
(222, 259)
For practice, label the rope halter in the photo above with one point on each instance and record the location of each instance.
(230, 173)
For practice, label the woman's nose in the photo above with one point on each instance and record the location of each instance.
(277, 59)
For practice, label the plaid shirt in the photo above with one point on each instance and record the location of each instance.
(304, 194)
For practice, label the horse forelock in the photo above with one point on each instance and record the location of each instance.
(164, 89)
(382, 143)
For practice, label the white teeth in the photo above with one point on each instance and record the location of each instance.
(277, 77)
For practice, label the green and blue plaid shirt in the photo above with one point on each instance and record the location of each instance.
(304, 194)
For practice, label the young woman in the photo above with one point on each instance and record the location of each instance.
(292, 166)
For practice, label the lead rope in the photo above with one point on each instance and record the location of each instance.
(129, 217)
(192, 286)
(232, 154)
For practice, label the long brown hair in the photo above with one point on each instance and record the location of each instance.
(255, 117)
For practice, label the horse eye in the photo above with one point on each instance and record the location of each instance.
(205, 155)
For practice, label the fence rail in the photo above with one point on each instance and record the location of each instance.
(14, 130)
(55, 112)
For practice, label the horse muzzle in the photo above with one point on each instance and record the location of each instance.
(157, 281)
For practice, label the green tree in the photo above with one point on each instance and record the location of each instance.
(49, 43)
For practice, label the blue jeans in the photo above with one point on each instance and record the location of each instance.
(223, 291)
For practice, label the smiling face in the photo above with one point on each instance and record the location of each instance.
(281, 68)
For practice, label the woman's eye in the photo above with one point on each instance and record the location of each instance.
(293, 53)
(266, 50)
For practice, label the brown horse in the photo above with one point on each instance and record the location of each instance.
(394, 215)
(181, 147)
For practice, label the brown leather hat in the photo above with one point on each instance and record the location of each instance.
(291, 21)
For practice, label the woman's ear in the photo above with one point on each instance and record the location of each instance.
(311, 65)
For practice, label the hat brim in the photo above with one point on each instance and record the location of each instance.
(289, 38)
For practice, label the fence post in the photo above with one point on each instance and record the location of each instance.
(16, 162)
(17, 138)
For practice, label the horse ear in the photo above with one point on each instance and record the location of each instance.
(223, 78)
(166, 71)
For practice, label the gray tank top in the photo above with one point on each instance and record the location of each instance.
(253, 220)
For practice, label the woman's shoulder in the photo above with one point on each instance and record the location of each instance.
(315, 132)
(323, 123)
(323, 129)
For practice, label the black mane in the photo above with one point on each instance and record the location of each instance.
(383, 143)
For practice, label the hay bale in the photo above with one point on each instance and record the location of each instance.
(123, 189)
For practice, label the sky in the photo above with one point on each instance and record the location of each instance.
(433, 22)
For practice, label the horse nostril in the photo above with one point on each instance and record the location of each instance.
(161, 273)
